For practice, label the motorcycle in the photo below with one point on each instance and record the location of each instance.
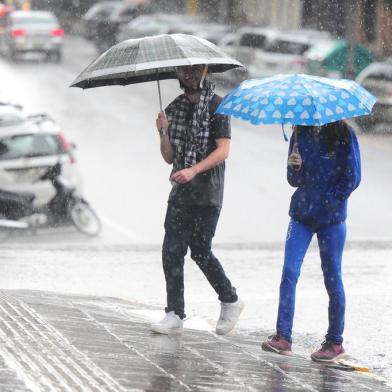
(17, 211)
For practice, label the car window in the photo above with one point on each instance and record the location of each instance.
(28, 146)
(287, 47)
(378, 76)
(34, 19)
(127, 13)
(253, 40)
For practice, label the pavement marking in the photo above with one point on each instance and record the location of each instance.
(151, 314)
(135, 350)
(43, 357)
(142, 314)
(239, 379)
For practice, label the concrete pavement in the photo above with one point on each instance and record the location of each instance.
(58, 342)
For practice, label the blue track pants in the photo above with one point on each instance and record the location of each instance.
(331, 241)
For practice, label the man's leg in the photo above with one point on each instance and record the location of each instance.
(174, 249)
(204, 224)
(205, 220)
(173, 252)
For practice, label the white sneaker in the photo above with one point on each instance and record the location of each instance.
(229, 315)
(170, 324)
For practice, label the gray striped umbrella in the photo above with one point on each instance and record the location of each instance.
(152, 58)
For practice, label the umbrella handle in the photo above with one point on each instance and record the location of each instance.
(161, 130)
(159, 94)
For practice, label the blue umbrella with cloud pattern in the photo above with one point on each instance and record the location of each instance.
(297, 99)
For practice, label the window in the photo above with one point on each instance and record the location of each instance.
(288, 47)
(253, 40)
(32, 19)
(28, 146)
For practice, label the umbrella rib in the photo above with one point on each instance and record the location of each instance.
(182, 52)
(311, 97)
(134, 61)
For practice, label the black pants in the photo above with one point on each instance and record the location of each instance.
(193, 227)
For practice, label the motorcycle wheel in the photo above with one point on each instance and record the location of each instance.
(85, 219)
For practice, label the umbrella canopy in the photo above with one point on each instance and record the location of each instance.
(152, 58)
(297, 99)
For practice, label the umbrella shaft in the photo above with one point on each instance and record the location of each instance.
(159, 94)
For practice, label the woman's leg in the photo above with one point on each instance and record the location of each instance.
(297, 243)
(331, 241)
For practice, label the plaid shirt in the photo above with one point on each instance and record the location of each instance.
(190, 137)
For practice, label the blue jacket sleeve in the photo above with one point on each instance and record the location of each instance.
(351, 175)
(294, 177)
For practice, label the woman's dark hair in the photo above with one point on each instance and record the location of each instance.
(335, 132)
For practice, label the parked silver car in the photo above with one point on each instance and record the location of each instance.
(377, 78)
(103, 21)
(146, 25)
(32, 31)
(159, 23)
(29, 145)
(267, 51)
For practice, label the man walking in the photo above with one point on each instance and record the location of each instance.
(196, 141)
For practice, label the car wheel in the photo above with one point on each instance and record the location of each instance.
(12, 54)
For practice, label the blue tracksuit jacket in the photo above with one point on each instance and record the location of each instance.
(325, 180)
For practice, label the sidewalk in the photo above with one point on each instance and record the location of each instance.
(55, 342)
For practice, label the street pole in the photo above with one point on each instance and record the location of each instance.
(349, 70)
(192, 7)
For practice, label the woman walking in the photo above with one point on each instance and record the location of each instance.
(324, 165)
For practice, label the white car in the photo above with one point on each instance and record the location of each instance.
(247, 45)
(377, 78)
(29, 145)
(266, 51)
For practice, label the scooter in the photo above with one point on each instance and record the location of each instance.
(65, 208)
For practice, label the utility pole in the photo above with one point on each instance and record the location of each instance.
(351, 14)
(192, 7)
